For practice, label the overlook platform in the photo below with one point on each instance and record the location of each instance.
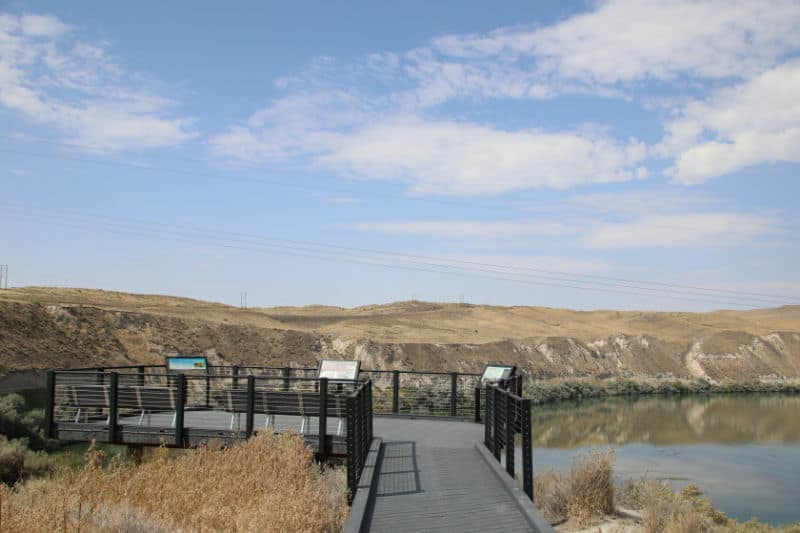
(424, 451)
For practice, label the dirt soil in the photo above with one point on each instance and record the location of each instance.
(44, 327)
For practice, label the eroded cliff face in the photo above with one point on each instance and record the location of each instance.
(34, 336)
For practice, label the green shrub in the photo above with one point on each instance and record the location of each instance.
(546, 392)
(17, 422)
(17, 461)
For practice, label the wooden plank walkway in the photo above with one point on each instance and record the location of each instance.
(431, 478)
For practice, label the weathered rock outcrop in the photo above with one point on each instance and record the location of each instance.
(35, 336)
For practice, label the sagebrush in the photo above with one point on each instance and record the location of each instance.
(268, 483)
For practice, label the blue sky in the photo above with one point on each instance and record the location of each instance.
(614, 154)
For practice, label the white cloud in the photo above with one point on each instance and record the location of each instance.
(41, 63)
(297, 125)
(551, 263)
(627, 40)
(680, 226)
(42, 25)
(345, 200)
(442, 157)
(753, 122)
(465, 228)
(683, 230)
(396, 127)
(642, 202)
(358, 137)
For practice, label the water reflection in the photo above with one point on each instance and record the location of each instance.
(742, 450)
(730, 419)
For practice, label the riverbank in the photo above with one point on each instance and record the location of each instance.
(585, 498)
(541, 392)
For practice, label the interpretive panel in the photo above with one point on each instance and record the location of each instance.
(494, 373)
(338, 369)
(183, 364)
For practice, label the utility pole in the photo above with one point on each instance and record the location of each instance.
(3, 276)
(243, 300)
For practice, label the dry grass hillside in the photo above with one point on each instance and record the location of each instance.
(43, 327)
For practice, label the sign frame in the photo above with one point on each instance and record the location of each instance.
(489, 374)
(339, 362)
(190, 364)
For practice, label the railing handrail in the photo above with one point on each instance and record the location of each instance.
(500, 432)
(397, 392)
(258, 367)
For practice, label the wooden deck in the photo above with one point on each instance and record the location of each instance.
(431, 477)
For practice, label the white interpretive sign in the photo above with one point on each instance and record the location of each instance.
(338, 369)
(495, 373)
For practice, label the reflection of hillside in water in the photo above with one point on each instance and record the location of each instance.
(730, 419)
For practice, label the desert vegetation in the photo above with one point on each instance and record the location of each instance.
(587, 495)
(268, 483)
(542, 392)
(23, 448)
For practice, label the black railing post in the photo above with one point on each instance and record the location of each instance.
(527, 448)
(396, 391)
(369, 409)
(477, 403)
(285, 373)
(180, 405)
(112, 407)
(235, 374)
(496, 427)
(140, 376)
(49, 408)
(509, 435)
(251, 405)
(453, 393)
(208, 388)
(352, 480)
(323, 417)
(487, 418)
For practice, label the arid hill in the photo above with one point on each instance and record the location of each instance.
(46, 327)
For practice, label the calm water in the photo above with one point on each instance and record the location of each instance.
(743, 451)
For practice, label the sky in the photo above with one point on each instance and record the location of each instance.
(590, 155)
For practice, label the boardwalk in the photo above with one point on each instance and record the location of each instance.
(404, 474)
(431, 478)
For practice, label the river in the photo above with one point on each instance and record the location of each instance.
(743, 451)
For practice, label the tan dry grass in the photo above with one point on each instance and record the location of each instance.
(433, 322)
(268, 483)
(585, 492)
(667, 512)
(591, 488)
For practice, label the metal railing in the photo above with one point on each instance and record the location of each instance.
(147, 407)
(507, 415)
(359, 433)
(513, 384)
(395, 392)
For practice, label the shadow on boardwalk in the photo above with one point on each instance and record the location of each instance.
(431, 478)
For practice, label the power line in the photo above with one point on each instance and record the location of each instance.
(307, 249)
(109, 221)
(506, 269)
(313, 189)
